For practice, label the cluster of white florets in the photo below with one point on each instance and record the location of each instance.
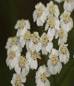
(56, 26)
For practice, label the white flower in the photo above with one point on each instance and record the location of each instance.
(42, 76)
(63, 35)
(22, 26)
(52, 9)
(52, 23)
(40, 15)
(54, 65)
(34, 44)
(66, 21)
(59, 1)
(10, 42)
(46, 44)
(13, 54)
(64, 53)
(22, 66)
(17, 80)
(25, 39)
(69, 5)
(13, 41)
(52, 26)
(32, 59)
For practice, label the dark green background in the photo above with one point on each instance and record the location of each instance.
(10, 12)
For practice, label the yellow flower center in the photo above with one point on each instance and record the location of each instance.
(20, 24)
(52, 8)
(39, 10)
(12, 40)
(12, 55)
(35, 55)
(61, 33)
(51, 22)
(63, 49)
(43, 77)
(27, 35)
(44, 39)
(54, 59)
(22, 62)
(66, 17)
(18, 81)
(35, 38)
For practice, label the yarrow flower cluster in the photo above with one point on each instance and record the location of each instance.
(56, 26)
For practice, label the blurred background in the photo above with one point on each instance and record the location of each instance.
(10, 12)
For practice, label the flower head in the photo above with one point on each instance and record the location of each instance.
(22, 66)
(69, 5)
(63, 35)
(42, 76)
(17, 80)
(22, 27)
(52, 9)
(66, 21)
(54, 65)
(13, 55)
(64, 53)
(32, 59)
(46, 44)
(11, 41)
(39, 14)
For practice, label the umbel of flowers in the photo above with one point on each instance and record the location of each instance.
(56, 26)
